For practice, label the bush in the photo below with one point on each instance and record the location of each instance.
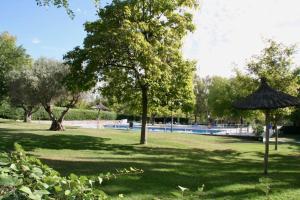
(75, 114)
(258, 130)
(8, 112)
(25, 177)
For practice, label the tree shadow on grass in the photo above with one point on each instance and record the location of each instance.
(165, 168)
(31, 141)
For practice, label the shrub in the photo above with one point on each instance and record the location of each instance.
(25, 177)
(8, 112)
(258, 130)
(76, 114)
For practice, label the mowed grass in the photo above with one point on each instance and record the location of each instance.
(228, 167)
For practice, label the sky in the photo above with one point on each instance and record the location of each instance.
(228, 32)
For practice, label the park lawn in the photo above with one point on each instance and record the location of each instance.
(228, 167)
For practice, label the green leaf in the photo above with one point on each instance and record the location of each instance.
(67, 192)
(58, 188)
(25, 168)
(44, 185)
(14, 167)
(37, 171)
(35, 196)
(4, 160)
(26, 190)
(41, 192)
(73, 177)
(8, 180)
(83, 179)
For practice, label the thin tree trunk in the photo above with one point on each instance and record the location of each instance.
(266, 157)
(144, 115)
(153, 119)
(172, 120)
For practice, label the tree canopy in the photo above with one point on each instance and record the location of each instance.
(134, 48)
(12, 57)
(275, 63)
(52, 78)
(22, 92)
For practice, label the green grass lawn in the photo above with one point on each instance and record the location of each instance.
(229, 167)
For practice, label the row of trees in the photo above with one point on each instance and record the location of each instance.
(30, 84)
(215, 95)
(133, 50)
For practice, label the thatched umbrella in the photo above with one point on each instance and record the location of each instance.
(100, 107)
(266, 98)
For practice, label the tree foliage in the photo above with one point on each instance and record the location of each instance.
(201, 93)
(12, 57)
(22, 92)
(275, 63)
(223, 92)
(52, 78)
(134, 48)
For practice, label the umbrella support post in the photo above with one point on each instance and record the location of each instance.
(266, 157)
(276, 138)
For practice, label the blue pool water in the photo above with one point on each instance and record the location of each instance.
(187, 129)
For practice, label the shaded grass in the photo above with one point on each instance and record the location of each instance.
(229, 167)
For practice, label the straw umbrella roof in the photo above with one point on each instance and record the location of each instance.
(100, 106)
(265, 98)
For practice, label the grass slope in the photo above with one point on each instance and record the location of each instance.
(229, 167)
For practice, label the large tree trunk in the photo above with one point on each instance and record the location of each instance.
(28, 111)
(144, 115)
(266, 157)
(56, 125)
(27, 116)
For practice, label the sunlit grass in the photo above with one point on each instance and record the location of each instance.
(229, 167)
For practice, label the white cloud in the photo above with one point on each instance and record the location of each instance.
(232, 31)
(35, 41)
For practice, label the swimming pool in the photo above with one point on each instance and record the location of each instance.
(181, 129)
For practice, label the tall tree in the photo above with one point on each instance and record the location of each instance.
(135, 49)
(224, 91)
(275, 63)
(201, 93)
(22, 92)
(12, 57)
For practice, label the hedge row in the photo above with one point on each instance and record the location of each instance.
(8, 112)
